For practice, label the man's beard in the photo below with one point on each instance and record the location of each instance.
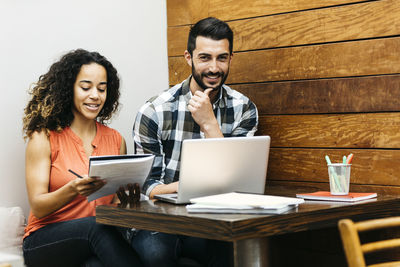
(198, 77)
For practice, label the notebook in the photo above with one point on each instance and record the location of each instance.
(221, 165)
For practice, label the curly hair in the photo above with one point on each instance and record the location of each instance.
(50, 108)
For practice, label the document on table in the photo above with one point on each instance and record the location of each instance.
(119, 170)
(242, 203)
(199, 208)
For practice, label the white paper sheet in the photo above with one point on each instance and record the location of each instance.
(119, 172)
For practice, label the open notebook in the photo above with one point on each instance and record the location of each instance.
(221, 165)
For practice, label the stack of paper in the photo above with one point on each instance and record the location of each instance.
(242, 203)
(119, 170)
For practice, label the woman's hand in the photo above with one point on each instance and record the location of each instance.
(87, 185)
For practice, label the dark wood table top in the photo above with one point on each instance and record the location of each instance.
(164, 217)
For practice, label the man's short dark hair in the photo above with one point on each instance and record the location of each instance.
(210, 28)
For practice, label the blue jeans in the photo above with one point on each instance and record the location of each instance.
(79, 242)
(164, 250)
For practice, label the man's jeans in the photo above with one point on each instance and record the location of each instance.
(79, 242)
(164, 250)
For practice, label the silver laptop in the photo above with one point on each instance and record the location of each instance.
(221, 165)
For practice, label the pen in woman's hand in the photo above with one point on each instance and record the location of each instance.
(77, 175)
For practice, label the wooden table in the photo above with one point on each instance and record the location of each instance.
(249, 233)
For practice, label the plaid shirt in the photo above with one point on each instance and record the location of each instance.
(164, 122)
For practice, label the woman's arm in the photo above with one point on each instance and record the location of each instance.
(122, 149)
(37, 172)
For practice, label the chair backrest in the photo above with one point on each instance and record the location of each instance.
(355, 251)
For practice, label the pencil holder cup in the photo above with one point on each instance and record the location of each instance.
(339, 178)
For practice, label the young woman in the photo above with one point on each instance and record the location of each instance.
(64, 124)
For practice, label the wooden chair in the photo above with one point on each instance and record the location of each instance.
(353, 248)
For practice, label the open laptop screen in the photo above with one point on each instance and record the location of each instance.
(221, 165)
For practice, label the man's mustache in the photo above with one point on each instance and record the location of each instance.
(218, 74)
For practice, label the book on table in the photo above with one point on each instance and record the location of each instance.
(242, 203)
(325, 195)
(119, 170)
(199, 208)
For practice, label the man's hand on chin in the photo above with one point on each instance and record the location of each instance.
(202, 112)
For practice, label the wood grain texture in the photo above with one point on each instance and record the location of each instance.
(368, 57)
(349, 22)
(181, 12)
(361, 94)
(295, 58)
(178, 69)
(174, 219)
(274, 186)
(369, 166)
(177, 40)
(235, 9)
(364, 130)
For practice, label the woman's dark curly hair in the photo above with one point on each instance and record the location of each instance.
(51, 105)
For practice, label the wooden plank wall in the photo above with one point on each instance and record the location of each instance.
(325, 76)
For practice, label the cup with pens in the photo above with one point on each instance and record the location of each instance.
(339, 175)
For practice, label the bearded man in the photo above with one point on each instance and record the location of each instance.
(202, 106)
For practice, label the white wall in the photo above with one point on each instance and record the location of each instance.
(34, 34)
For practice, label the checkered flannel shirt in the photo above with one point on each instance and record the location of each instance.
(164, 122)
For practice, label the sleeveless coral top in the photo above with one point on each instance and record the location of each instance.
(67, 152)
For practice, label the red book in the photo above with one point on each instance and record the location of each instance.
(325, 195)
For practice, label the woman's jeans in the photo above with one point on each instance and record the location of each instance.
(79, 242)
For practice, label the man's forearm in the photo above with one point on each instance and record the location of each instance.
(212, 130)
(164, 189)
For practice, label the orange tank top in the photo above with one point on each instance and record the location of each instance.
(67, 152)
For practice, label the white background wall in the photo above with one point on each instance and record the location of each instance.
(34, 34)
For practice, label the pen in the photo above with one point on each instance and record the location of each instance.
(77, 175)
(327, 159)
(349, 158)
(344, 159)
